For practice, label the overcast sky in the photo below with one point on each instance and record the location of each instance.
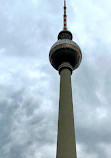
(29, 86)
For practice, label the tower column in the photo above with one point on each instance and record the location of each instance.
(66, 144)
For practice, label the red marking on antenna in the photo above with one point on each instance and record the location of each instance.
(65, 16)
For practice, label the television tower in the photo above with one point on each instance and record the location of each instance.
(65, 56)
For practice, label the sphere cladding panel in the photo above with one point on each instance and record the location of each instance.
(65, 51)
(65, 41)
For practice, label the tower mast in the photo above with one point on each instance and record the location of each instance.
(65, 16)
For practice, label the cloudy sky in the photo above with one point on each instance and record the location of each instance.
(29, 86)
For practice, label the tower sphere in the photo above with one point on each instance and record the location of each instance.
(65, 50)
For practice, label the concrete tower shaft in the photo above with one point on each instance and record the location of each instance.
(66, 144)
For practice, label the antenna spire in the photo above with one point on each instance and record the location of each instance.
(65, 16)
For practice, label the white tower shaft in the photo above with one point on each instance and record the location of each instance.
(66, 144)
